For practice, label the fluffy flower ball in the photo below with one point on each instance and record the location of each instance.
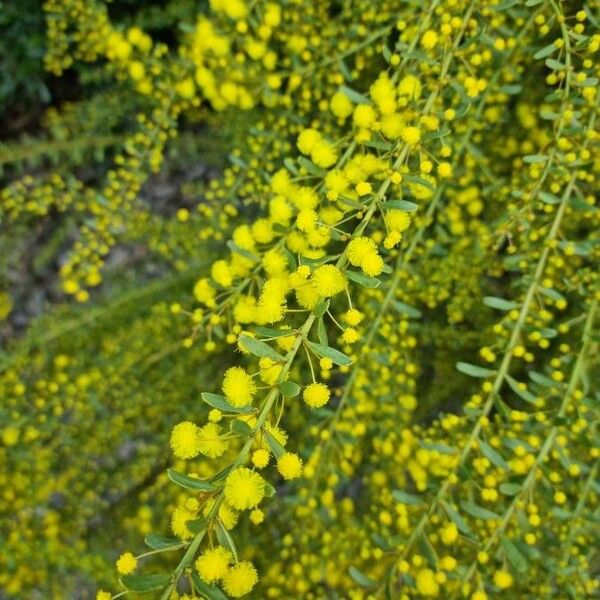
(240, 579)
(316, 395)
(126, 563)
(238, 387)
(244, 489)
(213, 564)
(209, 441)
(289, 465)
(184, 440)
(328, 280)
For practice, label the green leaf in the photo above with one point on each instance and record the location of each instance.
(196, 525)
(219, 402)
(162, 542)
(535, 158)
(515, 558)
(226, 540)
(364, 280)
(339, 358)
(427, 550)
(274, 333)
(499, 303)
(258, 348)
(549, 198)
(455, 517)
(208, 591)
(353, 95)
(322, 332)
(555, 65)
(545, 52)
(361, 578)
(406, 498)
(525, 394)
(276, 448)
(474, 370)
(289, 388)
(420, 181)
(405, 309)
(506, 4)
(189, 483)
(310, 167)
(478, 511)
(510, 489)
(542, 379)
(494, 457)
(290, 166)
(551, 293)
(145, 583)
(241, 428)
(237, 250)
(321, 308)
(236, 160)
(404, 205)
(511, 89)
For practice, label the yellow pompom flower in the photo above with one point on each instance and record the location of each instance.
(101, 595)
(205, 293)
(397, 220)
(10, 435)
(213, 564)
(307, 140)
(410, 86)
(240, 579)
(260, 458)
(126, 563)
(364, 116)
(316, 395)
(363, 188)
(244, 489)
(429, 39)
(328, 280)
(209, 441)
(179, 520)
(449, 534)
(358, 248)
(426, 583)
(184, 440)
(257, 516)
(340, 105)
(238, 387)
(323, 154)
(353, 317)
(503, 579)
(411, 135)
(289, 465)
(372, 265)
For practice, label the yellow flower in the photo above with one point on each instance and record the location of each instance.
(240, 579)
(244, 488)
(503, 579)
(209, 441)
(184, 440)
(316, 395)
(238, 387)
(328, 280)
(213, 564)
(289, 465)
(126, 563)
(426, 583)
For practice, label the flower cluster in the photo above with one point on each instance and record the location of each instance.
(400, 322)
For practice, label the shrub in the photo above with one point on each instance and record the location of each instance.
(396, 333)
